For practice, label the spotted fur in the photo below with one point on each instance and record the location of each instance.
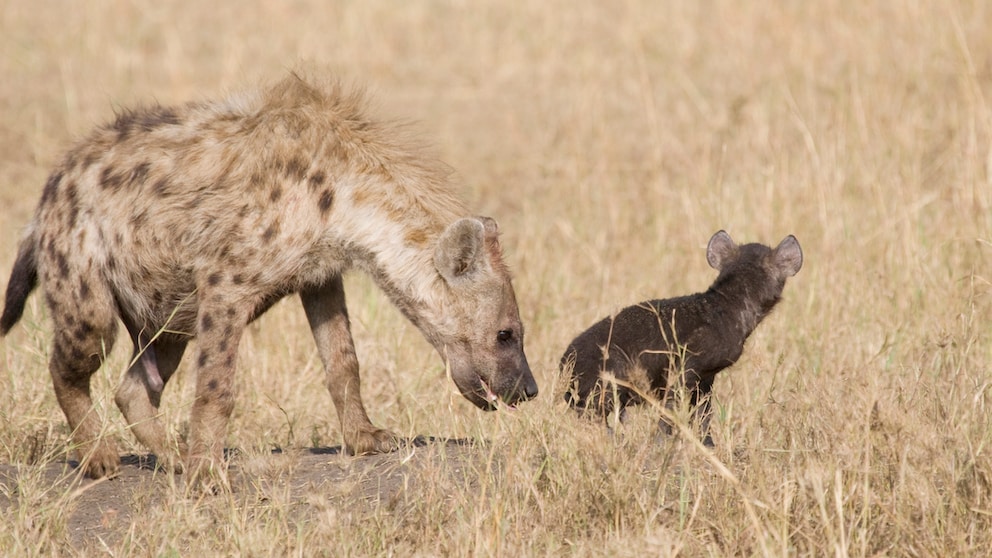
(191, 221)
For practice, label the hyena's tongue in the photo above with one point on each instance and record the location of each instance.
(494, 399)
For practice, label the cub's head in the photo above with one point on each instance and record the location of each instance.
(760, 270)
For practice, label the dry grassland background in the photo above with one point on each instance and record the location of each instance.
(610, 140)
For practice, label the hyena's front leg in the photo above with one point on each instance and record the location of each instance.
(140, 393)
(328, 317)
(698, 390)
(220, 323)
(702, 410)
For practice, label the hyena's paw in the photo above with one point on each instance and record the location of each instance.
(206, 476)
(170, 462)
(171, 459)
(372, 440)
(101, 461)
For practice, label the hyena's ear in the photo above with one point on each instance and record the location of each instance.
(462, 249)
(720, 250)
(788, 256)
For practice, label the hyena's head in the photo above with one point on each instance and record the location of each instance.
(478, 327)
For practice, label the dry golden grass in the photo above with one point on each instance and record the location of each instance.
(610, 140)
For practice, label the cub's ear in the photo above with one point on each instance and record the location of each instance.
(788, 256)
(462, 250)
(720, 250)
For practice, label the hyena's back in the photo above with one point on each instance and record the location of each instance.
(164, 199)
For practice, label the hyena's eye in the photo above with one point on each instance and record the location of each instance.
(504, 335)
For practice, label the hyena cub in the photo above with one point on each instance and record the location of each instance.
(191, 221)
(687, 339)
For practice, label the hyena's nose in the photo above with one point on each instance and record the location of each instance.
(530, 387)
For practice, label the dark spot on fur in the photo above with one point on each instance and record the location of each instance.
(138, 221)
(317, 179)
(229, 361)
(123, 125)
(325, 201)
(212, 385)
(230, 314)
(111, 263)
(296, 168)
(71, 161)
(223, 345)
(157, 117)
(72, 203)
(213, 279)
(143, 120)
(206, 322)
(224, 254)
(161, 186)
(84, 290)
(140, 173)
(83, 331)
(51, 187)
(109, 179)
(51, 302)
(90, 159)
(204, 356)
(237, 279)
(270, 231)
(197, 200)
(275, 194)
(63, 264)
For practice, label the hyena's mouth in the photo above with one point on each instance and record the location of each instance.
(493, 401)
(491, 397)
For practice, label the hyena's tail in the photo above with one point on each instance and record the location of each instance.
(23, 280)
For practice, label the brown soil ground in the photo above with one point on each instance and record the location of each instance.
(308, 479)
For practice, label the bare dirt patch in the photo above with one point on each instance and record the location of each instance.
(305, 481)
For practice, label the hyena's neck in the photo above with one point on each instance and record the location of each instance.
(744, 304)
(394, 243)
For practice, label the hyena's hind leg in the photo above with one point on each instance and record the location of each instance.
(85, 329)
(140, 394)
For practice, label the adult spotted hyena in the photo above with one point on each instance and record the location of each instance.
(688, 339)
(190, 222)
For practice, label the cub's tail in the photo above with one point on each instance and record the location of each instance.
(23, 280)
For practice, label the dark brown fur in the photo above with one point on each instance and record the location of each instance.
(687, 339)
